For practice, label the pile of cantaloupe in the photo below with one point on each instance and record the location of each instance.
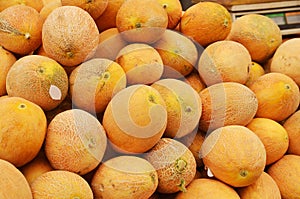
(142, 99)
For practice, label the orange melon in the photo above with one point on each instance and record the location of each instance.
(141, 63)
(208, 189)
(228, 103)
(135, 119)
(258, 33)
(7, 59)
(70, 35)
(277, 94)
(13, 182)
(20, 29)
(94, 82)
(94, 7)
(108, 18)
(75, 141)
(61, 184)
(140, 23)
(234, 154)
(36, 167)
(174, 11)
(38, 79)
(255, 71)
(206, 22)
(286, 174)
(178, 53)
(174, 164)
(263, 187)
(286, 59)
(23, 127)
(224, 61)
(36, 4)
(273, 135)
(292, 126)
(128, 177)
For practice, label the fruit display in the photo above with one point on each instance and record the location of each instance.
(110, 99)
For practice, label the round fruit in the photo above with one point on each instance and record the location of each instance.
(183, 104)
(174, 163)
(22, 130)
(13, 183)
(126, 177)
(36, 167)
(141, 63)
(135, 119)
(75, 141)
(36, 4)
(273, 135)
(258, 33)
(224, 61)
(195, 81)
(174, 11)
(61, 184)
(263, 187)
(292, 126)
(70, 35)
(286, 59)
(286, 174)
(38, 79)
(7, 59)
(94, 7)
(108, 17)
(206, 22)
(208, 189)
(255, 71)
(140, 23)
(94, 82)
(20, 29)
(49, 7)
(234, 155)
(277, 94)
(178, 53)
(227, 103)
(110, 43)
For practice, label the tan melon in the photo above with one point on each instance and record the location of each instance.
(94, 82)
(178, 53)
(258, 33)
(38, 79)
(224, 61)
(7, 59)
(141, 63)
(13, 182)
(174, 163)
(286, 174)
(292, 126)
(234, 154)
(75, 141)
(184, 106)
(227, 103)
(70, 35)
(110, 43)
(36, 167)
(61, 184)
(128, 177)
(286, 59)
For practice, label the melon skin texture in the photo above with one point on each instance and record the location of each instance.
(70, 35)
